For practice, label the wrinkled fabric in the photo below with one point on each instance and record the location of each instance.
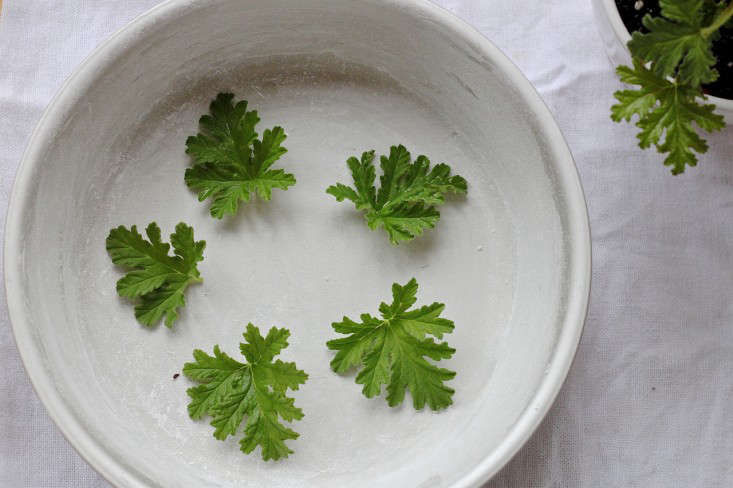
(649, 399)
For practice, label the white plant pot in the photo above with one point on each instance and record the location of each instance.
(615, 35)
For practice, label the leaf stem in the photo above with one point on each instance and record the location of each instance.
(724, 16)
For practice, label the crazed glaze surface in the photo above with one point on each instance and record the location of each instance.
(511, 261)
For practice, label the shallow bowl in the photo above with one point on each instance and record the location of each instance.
(511, 261)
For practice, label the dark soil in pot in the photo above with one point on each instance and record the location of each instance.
(632, 11)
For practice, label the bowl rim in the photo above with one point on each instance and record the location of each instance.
(115, 470)
(623, 36)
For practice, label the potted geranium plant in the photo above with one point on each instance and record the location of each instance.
(682, 67)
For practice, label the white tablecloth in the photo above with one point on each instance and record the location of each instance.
(649, 400)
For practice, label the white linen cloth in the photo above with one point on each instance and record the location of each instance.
(649, 400)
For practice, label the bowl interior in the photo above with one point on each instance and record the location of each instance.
(341, 78)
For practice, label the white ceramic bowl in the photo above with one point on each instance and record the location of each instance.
(615, 35)
(511, 261)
